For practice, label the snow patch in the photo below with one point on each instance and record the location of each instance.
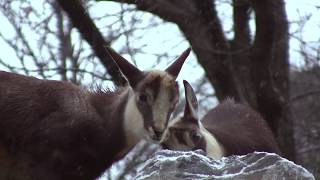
(178, 165)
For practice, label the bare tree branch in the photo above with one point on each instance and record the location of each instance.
(81, 19)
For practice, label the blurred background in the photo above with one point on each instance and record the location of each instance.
(264, 54)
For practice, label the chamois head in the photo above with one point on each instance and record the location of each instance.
(153, 96)
(187, 133)
(228, 129)
(183, 133)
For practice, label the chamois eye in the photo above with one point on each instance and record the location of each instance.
(143, 98)
(195, 136)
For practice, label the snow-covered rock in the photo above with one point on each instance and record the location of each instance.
(177, 165)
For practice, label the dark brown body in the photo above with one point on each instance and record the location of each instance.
(239, 129)
(55, 130)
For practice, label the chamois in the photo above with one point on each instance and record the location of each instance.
(57, 130)
(228, 129)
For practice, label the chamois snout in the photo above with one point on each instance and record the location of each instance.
(157, 135)
(153, 134)
(157, 129)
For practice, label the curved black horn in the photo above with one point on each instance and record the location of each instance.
(133, 74)
(175, 67)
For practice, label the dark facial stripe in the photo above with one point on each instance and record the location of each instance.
(145, 108)
(180, 137)
(146, 111)
(201, 145)
(179, 134)
(179, 129)
(154, 85)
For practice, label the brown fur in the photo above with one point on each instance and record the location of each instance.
(52, 127)
(56, 130)
(239, 129)
(228, 129)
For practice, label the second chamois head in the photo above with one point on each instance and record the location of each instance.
(228, 129)
(154, 94)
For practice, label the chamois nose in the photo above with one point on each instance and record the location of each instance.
(164, 146)
(158, 134)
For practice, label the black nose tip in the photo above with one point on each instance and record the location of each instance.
(158, 133)
(164, 146)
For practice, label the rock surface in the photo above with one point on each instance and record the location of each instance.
(175, 165)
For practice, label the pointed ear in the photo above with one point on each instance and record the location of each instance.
(175, 67)
(191, 107)
(132, 74)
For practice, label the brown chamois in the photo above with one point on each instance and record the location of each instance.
(228, 129)
(55, 130)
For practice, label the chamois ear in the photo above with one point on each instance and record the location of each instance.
(132, 74)
(191, 107)
(175, 67)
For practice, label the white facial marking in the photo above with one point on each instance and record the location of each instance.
(161, 108)
(213, 148)
(162, 104)
(133, 122)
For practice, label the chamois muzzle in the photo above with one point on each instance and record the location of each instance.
(164, 146)
(155, 134)
(158, 134)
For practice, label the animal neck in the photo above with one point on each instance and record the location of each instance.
(124, 121)
(133, 122)
(109, 107)
(213, 148)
